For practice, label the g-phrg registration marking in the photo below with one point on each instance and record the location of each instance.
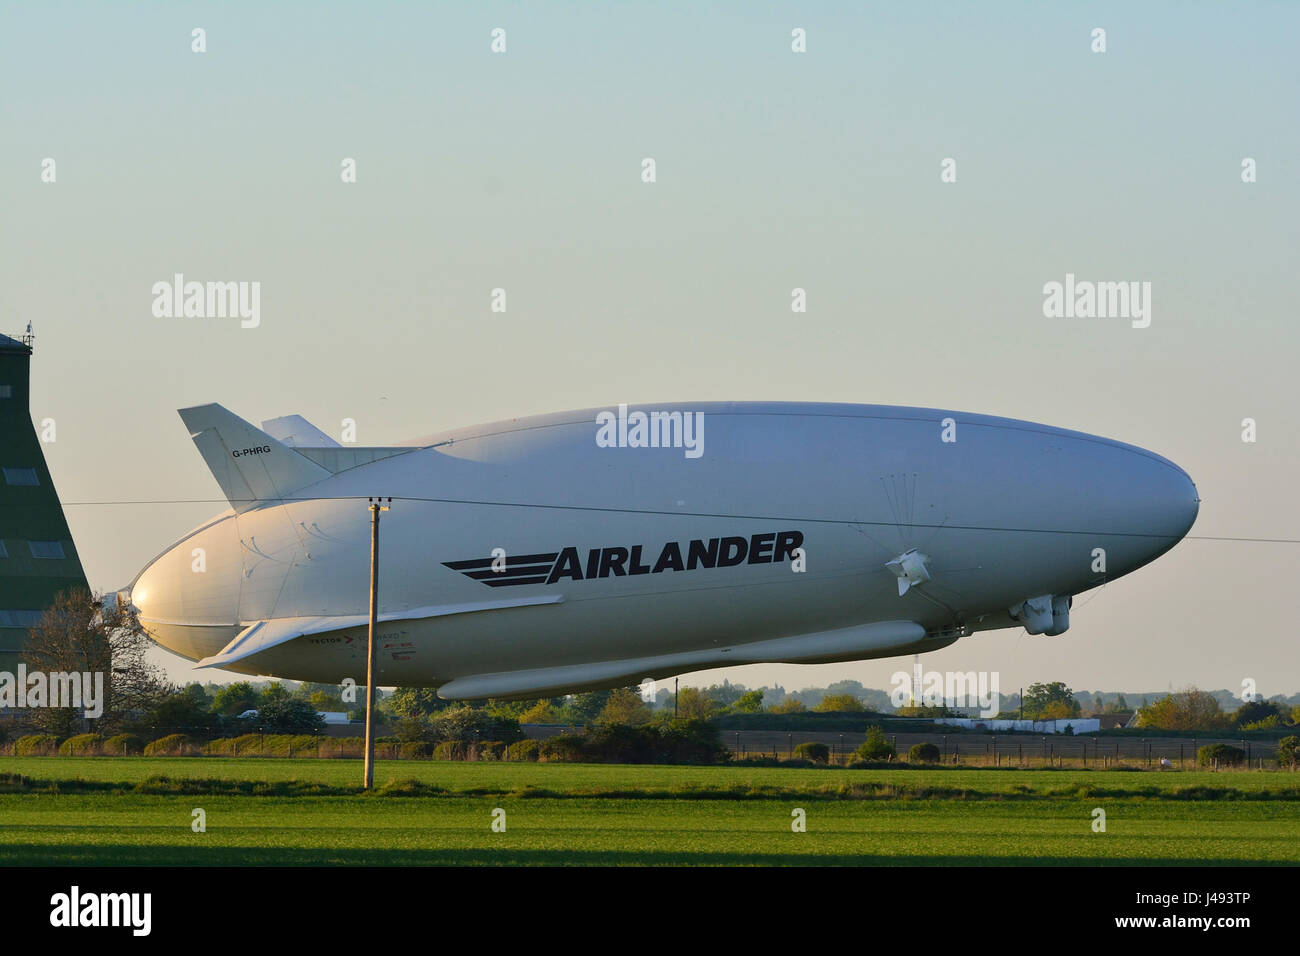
(771, 547)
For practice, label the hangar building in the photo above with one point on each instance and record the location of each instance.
(37, 556)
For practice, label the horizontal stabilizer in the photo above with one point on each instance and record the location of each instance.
(263, 635)
(296, 432)
(250, 466)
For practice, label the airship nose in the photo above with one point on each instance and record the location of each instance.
(1166, 496)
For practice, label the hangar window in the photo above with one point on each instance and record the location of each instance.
(19, 618)
(4, 552)
(21, 476)
(6, 391)
(46, 549)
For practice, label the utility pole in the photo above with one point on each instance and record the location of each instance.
(375, 507)
(674, 698)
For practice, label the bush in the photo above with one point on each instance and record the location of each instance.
(36, 745)
(923, 753)
(561, 750)
(817, 753)
(173, 745)
(413, 730)
(415, 750)
(666, 741)
(1288, 752)
(491, 750)
(522, 750)
(1223, 755)
(449, 750)
(468, 724)
(876, 747)
(123, 745)
(245, 744)
(82, 745)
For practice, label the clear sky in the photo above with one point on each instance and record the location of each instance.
(775, 170)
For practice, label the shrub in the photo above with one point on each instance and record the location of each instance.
(449, 750)
(123, 745)
(467, 724)
(796, 762)
(561, 750)
(923, 753)
(525, 749)
(173, 745)
(415, 750)
(82, 745)
(36, 745)
(666, 741)
(817, 753)
(1224, 755)
(491, 750)
(876, 747)
(413, 730)
(250, 744)
(1288, 752)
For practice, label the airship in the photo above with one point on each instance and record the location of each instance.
(601, 547)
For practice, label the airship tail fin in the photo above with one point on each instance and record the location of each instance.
(251, 467)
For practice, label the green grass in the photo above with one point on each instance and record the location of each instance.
(646, 815)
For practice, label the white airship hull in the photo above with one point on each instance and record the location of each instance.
(524, 558)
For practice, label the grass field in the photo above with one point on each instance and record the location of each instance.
(97, 811)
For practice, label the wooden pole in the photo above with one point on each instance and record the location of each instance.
(375, 508)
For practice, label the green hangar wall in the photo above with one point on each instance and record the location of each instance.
(37, 556)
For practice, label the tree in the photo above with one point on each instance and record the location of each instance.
(840, 703)
(282, 712)
(694, 704)
(517, 708)
(724, 694)
(77, 635)
(184, 710)
(586, 707)
(1288, 752)
(1253, 711)
(791, 705)
(233, 699)
(1190, 709)
(750, 702)
(1118, 706)
(625, 706)
(1054, 697)
(471, 724)
(412, 701)
(542, 712)
(876, 747)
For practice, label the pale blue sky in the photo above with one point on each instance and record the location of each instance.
(775, 170)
